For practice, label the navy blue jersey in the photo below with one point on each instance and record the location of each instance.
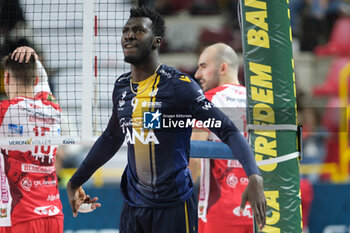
(155, 119)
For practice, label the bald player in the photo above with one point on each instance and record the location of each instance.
(222, 182)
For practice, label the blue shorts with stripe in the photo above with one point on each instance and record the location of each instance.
(179, 219)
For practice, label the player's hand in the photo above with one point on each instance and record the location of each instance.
(254, 194)
(23, 53)
(77, 197)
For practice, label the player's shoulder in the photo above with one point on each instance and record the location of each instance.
(174, 75)
(123, 79)
(229, 88)
(47, 99)
(5, 104)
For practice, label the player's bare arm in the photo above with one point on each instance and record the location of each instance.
(195, 164)
(254, 194)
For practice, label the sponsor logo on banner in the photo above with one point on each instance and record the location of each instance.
(40, 142)
(231, 180)
(69, 141)
(47, 210)
(20, 142)
(3, 213)
(247, 212)
(26, 184)
(30, 141)
(37, 169)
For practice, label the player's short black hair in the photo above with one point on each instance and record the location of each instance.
(158, 24)
(24, 72)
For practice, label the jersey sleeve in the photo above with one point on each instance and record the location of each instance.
(189, 95)
(4, 105)
(103, 150)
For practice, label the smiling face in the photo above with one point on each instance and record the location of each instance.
(208, 70)
(138, 40)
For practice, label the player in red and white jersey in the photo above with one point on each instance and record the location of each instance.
(30, 200)
(222, 182)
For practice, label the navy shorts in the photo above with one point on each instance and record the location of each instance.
(180, 219)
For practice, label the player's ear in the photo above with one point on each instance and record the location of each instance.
(36, 80)
(223, 68)
(6, 77)
(156, 42)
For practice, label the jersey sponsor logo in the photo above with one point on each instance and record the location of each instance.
(144, 139)
(26, 184)
(37, 169)
(233, 163)
(151, 104)
(51, 98)
(244, 180)
(207, 106)
(153, 93)
(247, 212)
(48, 121)
(15, 129)
(3, 212)
(135, 122)
(122, 101)
(152, 120)
(201, 96)
(5, 197)
(185, 79)
(44, 183)
(34, 105)
(42, 114)
(231, 180)
(163, 72)
(53, 197)
(47, 210)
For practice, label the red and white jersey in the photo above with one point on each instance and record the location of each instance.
(227, 177)
(29, 186)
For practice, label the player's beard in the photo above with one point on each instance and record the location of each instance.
(140, 57)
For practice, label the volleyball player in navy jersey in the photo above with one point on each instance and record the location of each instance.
(156, 185)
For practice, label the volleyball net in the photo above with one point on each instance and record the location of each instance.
(79, 45)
